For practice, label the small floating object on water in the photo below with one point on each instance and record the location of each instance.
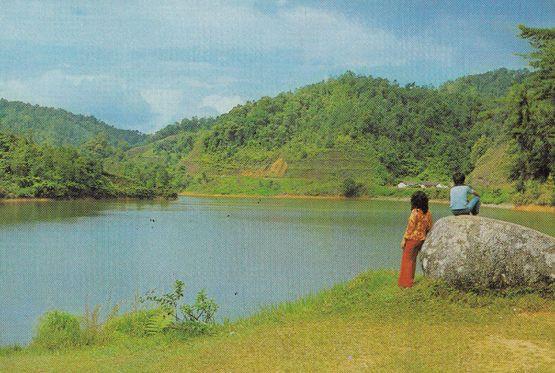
(236, 293)
(228, 215)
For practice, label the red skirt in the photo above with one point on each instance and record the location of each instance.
(408, 263)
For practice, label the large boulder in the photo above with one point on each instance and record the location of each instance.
(472, 252)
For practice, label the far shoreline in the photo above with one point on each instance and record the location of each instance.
(42, 199)
(506, 206)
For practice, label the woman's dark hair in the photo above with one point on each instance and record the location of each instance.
(419, 200)
(458, 178)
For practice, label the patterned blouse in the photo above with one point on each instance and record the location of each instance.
(419, 225)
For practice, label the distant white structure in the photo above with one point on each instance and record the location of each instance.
(424, 184)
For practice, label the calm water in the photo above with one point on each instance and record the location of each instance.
(246, 253)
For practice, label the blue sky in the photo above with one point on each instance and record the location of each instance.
(145, 64)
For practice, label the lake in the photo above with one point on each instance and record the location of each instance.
(247, 253)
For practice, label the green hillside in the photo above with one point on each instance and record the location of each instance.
(57, 126)
(309, 141)
(159, 160)
(494, 83)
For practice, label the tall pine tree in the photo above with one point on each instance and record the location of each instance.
(531, 121)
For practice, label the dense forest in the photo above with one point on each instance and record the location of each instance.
(351, 134)
(29, 169)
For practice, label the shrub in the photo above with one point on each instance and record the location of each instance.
(198, 317)
(57, 330)
(351, 188)
(60, 330)
(533, 192)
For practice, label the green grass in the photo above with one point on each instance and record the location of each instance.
(267, 186)
(367, 323)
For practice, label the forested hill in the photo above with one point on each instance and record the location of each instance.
(408, 130)
(350, 126)
(494, 83)
(57, 126)
(361, 127)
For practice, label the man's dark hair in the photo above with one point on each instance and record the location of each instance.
(419, 200)
(458, 178)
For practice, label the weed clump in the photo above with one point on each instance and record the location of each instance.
(58, 329)
(193, 319)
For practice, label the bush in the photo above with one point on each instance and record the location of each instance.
(57, 330)
(351, 188)
(533, 192)
(60, 330)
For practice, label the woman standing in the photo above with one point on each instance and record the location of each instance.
(420, 223)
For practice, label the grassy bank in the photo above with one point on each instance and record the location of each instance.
(367, 323)
(276, 186)
(509, 206)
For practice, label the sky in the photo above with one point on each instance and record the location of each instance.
(145, 64)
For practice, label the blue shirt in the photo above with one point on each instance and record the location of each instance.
(459, 196)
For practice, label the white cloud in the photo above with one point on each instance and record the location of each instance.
(317, 35)
(105, 97)
(222, 104)
(328, 37)
(167, 104)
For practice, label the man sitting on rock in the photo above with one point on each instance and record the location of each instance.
(459, 197)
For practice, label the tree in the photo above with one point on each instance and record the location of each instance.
(531, 120)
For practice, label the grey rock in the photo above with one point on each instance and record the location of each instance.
(472, 252)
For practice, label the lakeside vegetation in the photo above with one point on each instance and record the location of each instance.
(366, 323)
